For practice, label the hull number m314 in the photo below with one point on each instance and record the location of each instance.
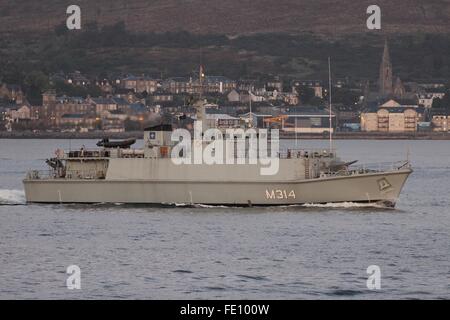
(280, 194)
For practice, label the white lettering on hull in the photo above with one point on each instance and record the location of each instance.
(280, 194)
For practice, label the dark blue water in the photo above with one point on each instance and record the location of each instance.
(312, 252)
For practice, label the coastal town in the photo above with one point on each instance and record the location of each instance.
(79, 103)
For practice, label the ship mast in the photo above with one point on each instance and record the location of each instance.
(200, 104)
(251, 114)
(329, 104)
(201, 74)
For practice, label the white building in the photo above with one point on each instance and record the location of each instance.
(426, 99)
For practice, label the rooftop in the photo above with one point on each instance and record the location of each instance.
(73, 116)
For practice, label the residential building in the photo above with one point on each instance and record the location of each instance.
(440, 119)
(140, 84)
(234, 96)
(137, 112)
(274, 84)
(12, 92)
(77, 121)
(77, 79)
(426, 100)
(114, 114)
(242, 96)
(103, 104)
(161, 96)
(440, 123)
(390, 119)
(218, 84)
(427, 96)
(112, 125)
(401, 103)
(316, 85)
(179, 85)
(105, 85)
(210, 84)
(289, 98)
(121, 103)
(53, 110)
(432, 85)
(253, 86)
(19, 113)
(127, 94)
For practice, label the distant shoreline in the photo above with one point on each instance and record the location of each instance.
(139, 135)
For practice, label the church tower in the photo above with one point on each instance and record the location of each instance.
(399, 89)
(385, 79)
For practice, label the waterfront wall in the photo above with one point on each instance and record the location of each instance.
(139, 135)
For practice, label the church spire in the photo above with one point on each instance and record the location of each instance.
(386, 57)
(385, 77)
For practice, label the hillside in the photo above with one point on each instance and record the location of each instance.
(231, 17)
(238, 39)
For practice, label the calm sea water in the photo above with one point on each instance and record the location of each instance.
(303, 252)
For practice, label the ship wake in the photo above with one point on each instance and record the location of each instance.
(12, 197)
(348, 205)
(330, 205)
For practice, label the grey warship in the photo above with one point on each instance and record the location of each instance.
(118, 173)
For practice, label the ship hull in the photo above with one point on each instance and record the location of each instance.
(369, 187)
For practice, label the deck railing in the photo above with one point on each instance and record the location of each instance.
(67, 174)
(307, 153)
(370, 168)
(88, 154)
(381, 166)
